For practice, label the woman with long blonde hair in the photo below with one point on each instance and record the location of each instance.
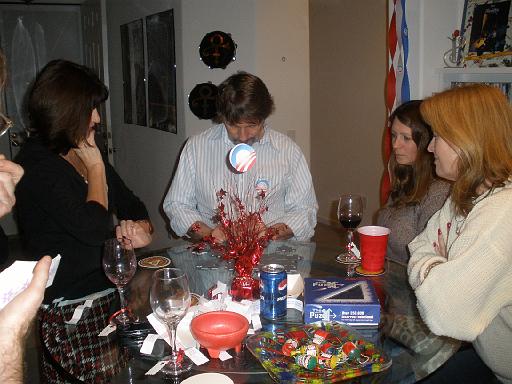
(461, 265)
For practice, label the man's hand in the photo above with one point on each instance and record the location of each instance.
(14, 170)
(22, 309)
(15, 320)
(218, 234)
(283, 231)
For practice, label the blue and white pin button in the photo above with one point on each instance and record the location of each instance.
(242, 157)
(262, 185)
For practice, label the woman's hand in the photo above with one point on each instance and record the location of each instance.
(96, 178)
(440, 245)
(89, 153)
(135, 231)
(10, 174)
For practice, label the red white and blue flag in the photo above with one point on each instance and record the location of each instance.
(398, 89)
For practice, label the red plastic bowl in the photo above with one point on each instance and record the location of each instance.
(219, 331)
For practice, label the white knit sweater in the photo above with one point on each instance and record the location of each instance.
(469, 295)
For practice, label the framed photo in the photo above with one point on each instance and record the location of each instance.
(161, 71)
(487, 32)
(134, 88)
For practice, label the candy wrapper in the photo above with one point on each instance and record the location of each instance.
(246, 238)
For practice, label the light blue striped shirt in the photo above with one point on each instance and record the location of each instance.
(203, 170)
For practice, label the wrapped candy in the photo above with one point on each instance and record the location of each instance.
(327, 361)
(299, 335)
(307, 361)
(327, 347)
(289, 346)
(320, 336)
(351, 350)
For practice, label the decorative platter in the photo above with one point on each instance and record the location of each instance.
(355, 356)
(217, 49)
(201, 100)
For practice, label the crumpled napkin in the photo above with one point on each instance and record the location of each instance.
(17, 277)
(223, 302)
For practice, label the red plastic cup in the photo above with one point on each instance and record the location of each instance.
(373, 241)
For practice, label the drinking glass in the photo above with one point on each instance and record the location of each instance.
(350, 214)
(170, 298)
(120, 264)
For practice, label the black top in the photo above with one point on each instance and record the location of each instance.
(54, 218)
(4, 247)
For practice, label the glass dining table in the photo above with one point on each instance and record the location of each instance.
(401, 334)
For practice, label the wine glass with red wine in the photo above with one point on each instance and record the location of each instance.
(350, 214)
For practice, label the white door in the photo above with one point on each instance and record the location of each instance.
(94, 33)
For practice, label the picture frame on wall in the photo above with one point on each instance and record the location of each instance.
(134, 88)
(487, 33)
(161, 71)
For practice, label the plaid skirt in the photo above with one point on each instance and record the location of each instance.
(75, 353)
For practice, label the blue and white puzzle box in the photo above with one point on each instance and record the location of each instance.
(352, 301)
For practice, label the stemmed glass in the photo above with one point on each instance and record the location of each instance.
(120, 264)
(350, 214)
(170, 299)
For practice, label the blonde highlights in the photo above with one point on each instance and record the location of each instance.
(477, 121)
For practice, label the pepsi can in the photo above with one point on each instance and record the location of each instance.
(273, 291)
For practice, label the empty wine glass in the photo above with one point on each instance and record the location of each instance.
(350, 214)
(120, 264)
(170, 298)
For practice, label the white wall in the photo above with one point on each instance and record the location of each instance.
(282, 47)
(430, 24)
(199, 18)
(265, 32)
(348, 114)
(272, 38)
(144, 157)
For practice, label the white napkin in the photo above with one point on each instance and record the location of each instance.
(184, 337)
(17, 277)
(355, 250)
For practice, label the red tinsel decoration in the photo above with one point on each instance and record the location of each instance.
(246, 238)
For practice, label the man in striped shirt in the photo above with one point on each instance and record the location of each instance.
(243, 105)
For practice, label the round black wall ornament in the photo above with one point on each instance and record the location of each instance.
(217, 49)
(202, 99)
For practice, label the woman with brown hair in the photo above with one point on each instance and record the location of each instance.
(69, 194)
(461, 265)
(415, 192)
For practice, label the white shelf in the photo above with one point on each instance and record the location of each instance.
(474, 75)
